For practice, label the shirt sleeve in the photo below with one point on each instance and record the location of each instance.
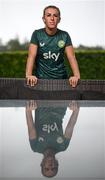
(34, 38)
(68, 40)
(33, 144)
(67, 142)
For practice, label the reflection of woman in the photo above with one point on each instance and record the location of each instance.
(46, 133)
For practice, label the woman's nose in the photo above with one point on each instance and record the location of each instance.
(52, 17)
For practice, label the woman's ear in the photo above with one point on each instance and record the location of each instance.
(43, 19)
(59, 19)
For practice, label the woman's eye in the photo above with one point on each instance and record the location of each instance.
(55, 15)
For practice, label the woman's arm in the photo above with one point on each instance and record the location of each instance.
(31, 127)
(32, 80)
(74, 66)
(70, 126)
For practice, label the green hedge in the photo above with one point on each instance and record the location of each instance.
(91, 64)
(12, 64)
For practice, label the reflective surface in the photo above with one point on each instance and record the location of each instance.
(77, 140)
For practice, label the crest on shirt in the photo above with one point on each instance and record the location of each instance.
(59, 140)
(61, 43)
(42, 44)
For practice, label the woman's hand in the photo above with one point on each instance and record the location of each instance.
(73, 80)
(31, 80)
(31, 105)
(74, 105)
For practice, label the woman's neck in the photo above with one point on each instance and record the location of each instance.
(49, 152)
(50, 31)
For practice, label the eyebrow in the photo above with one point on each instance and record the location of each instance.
(51, 13)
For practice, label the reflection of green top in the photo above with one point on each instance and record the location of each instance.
(50, 56)
(48, 124)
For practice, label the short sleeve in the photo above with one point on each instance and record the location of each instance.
(34, 38)
(33, 144)
(68, 40)
(67, 142)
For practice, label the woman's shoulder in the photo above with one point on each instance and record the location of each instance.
(41, 30)
(62, 31)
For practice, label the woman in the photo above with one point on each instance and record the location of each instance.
(47, 49)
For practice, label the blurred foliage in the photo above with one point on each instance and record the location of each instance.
(91, 64)
(12, 64)
(14, 45)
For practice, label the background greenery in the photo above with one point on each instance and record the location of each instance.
(91, 64)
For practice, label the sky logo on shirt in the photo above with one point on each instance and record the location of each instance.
(51, 55)
(50, 127)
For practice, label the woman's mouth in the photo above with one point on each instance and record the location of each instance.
(52, 23)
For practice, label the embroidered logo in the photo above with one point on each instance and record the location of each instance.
(40, 139)
(41, 44)
(59, 140)
(61, 43)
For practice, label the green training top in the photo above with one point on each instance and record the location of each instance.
(48, 125)
(50, 55)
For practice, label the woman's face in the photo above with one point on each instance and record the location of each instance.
(51, 18)
(49, 166)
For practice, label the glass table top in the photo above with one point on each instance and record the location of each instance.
(69, 134)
